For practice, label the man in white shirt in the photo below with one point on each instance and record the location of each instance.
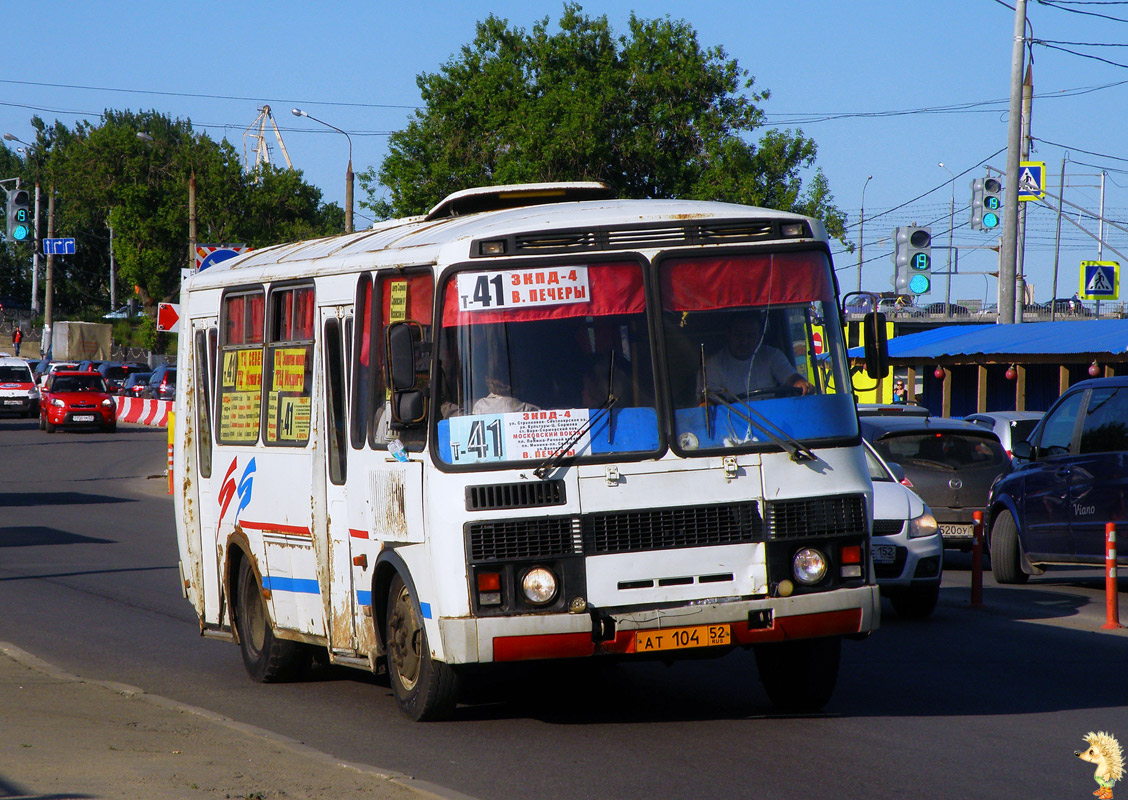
(746, 364)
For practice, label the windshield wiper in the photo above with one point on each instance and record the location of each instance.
(558, 455)
(705, 394)
(797, 450)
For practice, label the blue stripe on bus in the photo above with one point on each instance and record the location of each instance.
(363, 598)
(299, 585)
(425, 608)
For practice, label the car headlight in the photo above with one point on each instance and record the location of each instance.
(539, 586)
(32, 394)
(57, 402)
(107, 402)
(809, 566)
(924, 525)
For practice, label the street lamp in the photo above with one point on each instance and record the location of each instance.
(951, 230)
(861, 230)
(297, 112)
(26, 150)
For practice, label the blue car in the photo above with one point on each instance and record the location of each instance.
(1070, 478)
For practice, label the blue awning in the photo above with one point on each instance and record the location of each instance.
(1080, 338)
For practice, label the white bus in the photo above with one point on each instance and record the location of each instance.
(504, 431)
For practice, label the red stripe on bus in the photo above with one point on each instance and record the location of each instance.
(272, 527)
(356, 534)
(546, 645)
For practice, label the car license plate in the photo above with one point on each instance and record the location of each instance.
(682, 638)
(83, 417)
(883, 553)
(962, 531)
(12, 402)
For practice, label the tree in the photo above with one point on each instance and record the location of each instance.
(651, 113)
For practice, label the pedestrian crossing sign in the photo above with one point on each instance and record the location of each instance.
(1031, 180)
(1100, 280)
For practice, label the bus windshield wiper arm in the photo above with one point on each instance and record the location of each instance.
(560, 453)
(796, 449)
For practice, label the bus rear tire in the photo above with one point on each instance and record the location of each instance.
(799, 676)
(424, 689)
(267, 658)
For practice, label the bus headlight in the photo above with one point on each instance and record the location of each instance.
(539, 586)
(808, 566)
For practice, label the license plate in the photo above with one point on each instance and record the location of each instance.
(83, 417)
(13, 402)
(883, 553)
(682, 638)
(965, 531)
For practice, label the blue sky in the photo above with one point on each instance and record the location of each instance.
(886, 88)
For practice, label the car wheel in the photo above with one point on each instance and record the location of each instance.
(47, 426)
(799, 675)
(425, 689)
(110, 428)
(42, 423)
(1006, 554)
(267, 658)
(915, 603)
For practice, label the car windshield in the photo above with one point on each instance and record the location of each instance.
(1021, 429)
(79, 383)
(15, 375)
(946, 449)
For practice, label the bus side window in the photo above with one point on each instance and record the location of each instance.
(363, 367)
(203, 404)
(288, 367)
(404, 296)
(239, 390)
(335, 402)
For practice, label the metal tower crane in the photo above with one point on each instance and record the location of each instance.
(262, 153)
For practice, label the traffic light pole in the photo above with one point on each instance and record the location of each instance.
(1009, 253)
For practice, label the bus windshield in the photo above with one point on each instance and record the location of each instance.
(753, 349)
(545, 361)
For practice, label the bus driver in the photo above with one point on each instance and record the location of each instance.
(747, 365)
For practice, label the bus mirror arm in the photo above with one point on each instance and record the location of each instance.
(409, 404)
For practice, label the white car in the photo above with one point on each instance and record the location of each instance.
(908, 553)
(18, 394)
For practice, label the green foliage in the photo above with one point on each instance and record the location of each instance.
(652, 113)
(107, 177)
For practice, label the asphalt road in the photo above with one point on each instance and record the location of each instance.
(987, 702)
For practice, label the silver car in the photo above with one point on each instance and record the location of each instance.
(908, 554)
(1009, 426)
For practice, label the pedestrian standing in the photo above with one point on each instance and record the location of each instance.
(17, 338)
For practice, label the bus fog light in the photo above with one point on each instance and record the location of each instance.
(809, 566)
(785, 588)
(539, 586)
(578, 605)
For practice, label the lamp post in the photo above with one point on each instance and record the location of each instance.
(861, 230)
(951, 230)
(26, 149)
(297, 112)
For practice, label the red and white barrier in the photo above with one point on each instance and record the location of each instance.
(144, 412)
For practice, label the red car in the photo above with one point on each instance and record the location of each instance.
(77, 400)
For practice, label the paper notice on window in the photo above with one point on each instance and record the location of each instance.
(517, 436)
(522, 288)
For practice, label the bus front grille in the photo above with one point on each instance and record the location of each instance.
(493, 496)
(616, 532)
(819, 516)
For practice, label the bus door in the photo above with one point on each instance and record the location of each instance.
(336, 324)
(203, 573)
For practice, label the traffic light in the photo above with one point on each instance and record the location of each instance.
(19, 218)
(986, 203)
(913, 260)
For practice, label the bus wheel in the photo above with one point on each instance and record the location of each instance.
(425, 689)
(799, 675)
(267, 658)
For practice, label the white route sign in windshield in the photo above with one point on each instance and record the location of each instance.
(522, 288)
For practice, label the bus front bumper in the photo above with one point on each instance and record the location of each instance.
(842, 612)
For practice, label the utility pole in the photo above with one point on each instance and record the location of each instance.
(49, 283)
(35, 255)
(1020, 248)
(861, 227)
(1008, 255)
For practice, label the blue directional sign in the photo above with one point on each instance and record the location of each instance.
(58, 247)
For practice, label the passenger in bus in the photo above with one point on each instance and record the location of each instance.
(500, 399)
(747, 364)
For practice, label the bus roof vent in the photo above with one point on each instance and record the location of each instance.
(497, 198)
(495, 496)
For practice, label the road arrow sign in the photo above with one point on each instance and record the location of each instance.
(1100, 280)
(168, 318)
(58, 247)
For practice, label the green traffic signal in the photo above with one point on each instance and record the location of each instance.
(19, 217)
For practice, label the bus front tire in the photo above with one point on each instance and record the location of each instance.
(424, 689)
(267, 658)
(799, 676)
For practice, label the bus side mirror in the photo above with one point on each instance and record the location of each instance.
(409, 404)
(876, 345)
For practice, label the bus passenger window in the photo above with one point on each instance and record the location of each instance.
(239, 392)
(337, 444)
(288, 367)
(203, 404)
(363, 365)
